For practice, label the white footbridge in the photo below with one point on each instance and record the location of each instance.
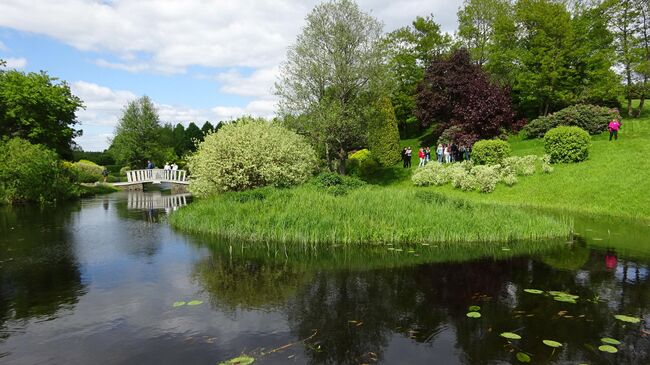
(135, 179)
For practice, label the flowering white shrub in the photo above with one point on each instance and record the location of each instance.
(250, 153)
(487, 177)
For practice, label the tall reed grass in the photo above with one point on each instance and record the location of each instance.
(368, 215)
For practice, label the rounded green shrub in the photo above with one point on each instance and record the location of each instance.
(490, 151)
(362, 164)
(250, 153)
(32, 173)
(87, 171)
(336, 184)
(592, 118)
(567, 144)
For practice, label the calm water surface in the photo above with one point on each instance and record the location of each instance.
(94, 282)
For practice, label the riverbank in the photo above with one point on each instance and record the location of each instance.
(367, 215)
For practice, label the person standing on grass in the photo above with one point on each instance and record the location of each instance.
(448, 154)
(427, 155)
(422, 157)
(404, 157)
(613, 127)
(409, 152)
(439, 153)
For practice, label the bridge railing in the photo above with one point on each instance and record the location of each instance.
(156, 175)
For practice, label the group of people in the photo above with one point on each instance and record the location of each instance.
(445, 153)
(173, 166)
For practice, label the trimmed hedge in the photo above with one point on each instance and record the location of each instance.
(592, 118)
(490, 151)
(567, 144)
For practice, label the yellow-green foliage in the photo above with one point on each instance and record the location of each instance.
(250, 153)
(87, 171)
(362, 163)
(383, 136)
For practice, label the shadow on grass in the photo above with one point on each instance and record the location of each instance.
(393, 175)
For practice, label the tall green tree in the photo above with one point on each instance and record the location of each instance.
(383, 138)
(410, 49)
(624, 16)
(39, 109)
(553, 57)
(137, 135)
(193, 135)
(331, 78)
(179, 140)
(643, 68)
(476, 25)
(206, 129)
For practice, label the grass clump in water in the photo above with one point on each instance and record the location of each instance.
(363, 215)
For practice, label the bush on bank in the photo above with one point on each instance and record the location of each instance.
(250, 153)
(32, 173)
(87, 171)
(567, 144)
(592, 118)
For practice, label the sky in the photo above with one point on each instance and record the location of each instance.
(198, 60)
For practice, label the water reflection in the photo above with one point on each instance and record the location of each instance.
(95, 282)
(39, 273)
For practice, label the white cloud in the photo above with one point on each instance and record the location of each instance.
(258, 84)
(3, 47)
(175, 34)
(16, 63)
(104, 107)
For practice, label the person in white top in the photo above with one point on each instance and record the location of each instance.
(174, 166)
(167, 167)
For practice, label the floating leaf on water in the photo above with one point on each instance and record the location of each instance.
(534, 291)
(551, 343)
(505, 249)
(523, 357)
(241, 360)
(178, 304)
(391, 249)
(473, 315)
(624, 318)
(510, 336)
(608, 348)
(474, 308)
(411, 251)
(597, 239)
(398, 250)
(565, 299)
(425, 244)
(610, 341)
(195, 302)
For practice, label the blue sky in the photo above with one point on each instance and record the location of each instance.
(197, 59)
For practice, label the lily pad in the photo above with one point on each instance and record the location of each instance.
(178, 304)
(610, 341)
(195, 302)
(510, 336)
(608, 348)
(565, 299)
(241, 360)
(474, 308)
(473, 315)
(523, 357)
(624, 318)
(534, 291)
(551, 343)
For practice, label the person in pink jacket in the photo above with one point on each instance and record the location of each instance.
(614, 126)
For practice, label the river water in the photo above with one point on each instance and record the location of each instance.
(96, 281)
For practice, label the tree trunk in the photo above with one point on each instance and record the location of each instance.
(628, 73)
(343, 156)
(328, 157)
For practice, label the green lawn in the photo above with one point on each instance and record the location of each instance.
(615, 180)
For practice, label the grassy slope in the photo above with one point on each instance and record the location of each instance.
(614, 181)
